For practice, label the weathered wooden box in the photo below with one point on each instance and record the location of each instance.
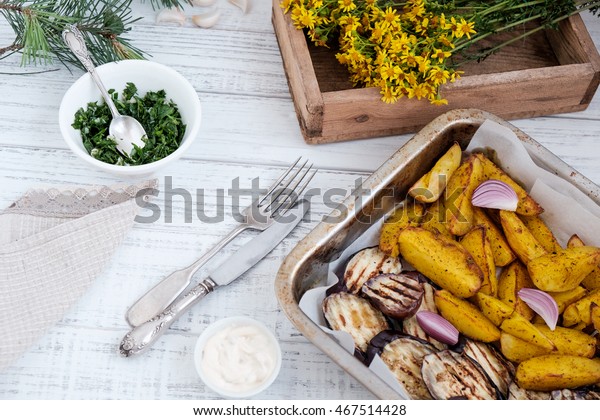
(551, 72)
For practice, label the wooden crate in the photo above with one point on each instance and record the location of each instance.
(551, 72)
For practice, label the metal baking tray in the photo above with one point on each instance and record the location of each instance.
(305, 267)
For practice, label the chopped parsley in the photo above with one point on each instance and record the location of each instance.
(159, 117)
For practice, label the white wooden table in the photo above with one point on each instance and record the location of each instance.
(249, 129)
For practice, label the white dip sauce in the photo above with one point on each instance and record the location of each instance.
(239, 358)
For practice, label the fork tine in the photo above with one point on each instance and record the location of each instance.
(281, 178)
(277, 192)
(296, 193)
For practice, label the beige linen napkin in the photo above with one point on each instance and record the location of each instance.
(53, 244)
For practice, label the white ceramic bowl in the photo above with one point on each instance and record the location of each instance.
(220, 326)
(147, 76)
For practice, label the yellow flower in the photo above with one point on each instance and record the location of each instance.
(420, 90)
(304, 18)
(389, 71)
(346, 5)
(286, 4)
(466, 28)
(388, 95)
(409, 59)
(414, 9)
(434, 100)
(390, 18)
(453, 27)
(411, 79)
(399, 44)
(440, 55)
(342, 58)
(422, 26)
(438, 76)
(377, 33)
(349, 22)
(355, 56)
(423, 64)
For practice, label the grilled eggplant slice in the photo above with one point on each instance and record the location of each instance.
(404, 355)
(367, 263)
(410, 326)
(354, 315)
(575, 394)
(499, 370)
(448, 374)
(515, 392)
(396, 295)
(567, 394)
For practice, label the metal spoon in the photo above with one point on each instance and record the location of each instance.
(126, 130)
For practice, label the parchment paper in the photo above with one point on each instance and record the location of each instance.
(567, 210)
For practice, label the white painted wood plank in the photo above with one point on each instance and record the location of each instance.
(74, 363)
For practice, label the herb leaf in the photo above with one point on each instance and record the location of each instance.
(159, 116)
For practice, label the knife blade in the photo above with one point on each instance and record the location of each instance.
(141, 337)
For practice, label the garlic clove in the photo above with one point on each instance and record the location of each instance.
(242, 4)
(208, 19)
(203, 3)
(171, 15)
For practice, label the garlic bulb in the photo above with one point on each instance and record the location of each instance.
(242, 4)
(169, 15)
(203, 3)
(208, 19)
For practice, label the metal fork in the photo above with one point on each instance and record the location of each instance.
(259, 215)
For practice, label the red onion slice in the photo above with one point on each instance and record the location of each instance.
(437, 327)
(542, 304)
(494, 194)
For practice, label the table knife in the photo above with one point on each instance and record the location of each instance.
(140, 338)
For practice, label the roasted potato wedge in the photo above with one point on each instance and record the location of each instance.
(567, 342)
(595, 315)
(580, 311)
(466, 317)
(407, 215)
(563, 270)
(518, 350)
(431, 185)
(478, 245)
(520, 239)
(550, 372)
(459, 191)
(564, 299)
(541, 232)
(574, 241)
(512, 279)
(592, 280)
(433, 219)
(503, 254)
(494, 309)
(521, 328)
(443, 260)
(527, 206)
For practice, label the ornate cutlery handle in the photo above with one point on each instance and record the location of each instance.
(164, 293)
(74, 39)
(143, 336)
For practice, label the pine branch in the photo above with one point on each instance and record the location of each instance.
(38, 26)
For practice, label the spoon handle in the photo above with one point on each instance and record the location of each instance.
(74, 39)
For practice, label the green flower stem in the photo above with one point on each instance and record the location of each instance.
(466, 44)
(531, 32)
